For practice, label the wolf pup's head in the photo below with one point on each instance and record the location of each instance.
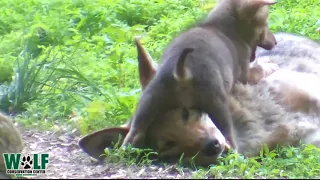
(251, 19)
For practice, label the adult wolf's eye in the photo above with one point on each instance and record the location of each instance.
(170, 144)
(185, 114)
(165, 144)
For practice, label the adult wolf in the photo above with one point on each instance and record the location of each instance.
(259, 117)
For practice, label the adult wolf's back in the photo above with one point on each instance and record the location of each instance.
(295, 84)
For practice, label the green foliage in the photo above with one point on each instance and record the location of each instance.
(6, 71)
(129, 155)
(295, 16)
(96, 79)
(285, 162)
(92, 80)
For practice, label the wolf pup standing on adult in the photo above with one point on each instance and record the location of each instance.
(200, 66)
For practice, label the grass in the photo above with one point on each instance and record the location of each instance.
(283, 162)
(72, 64)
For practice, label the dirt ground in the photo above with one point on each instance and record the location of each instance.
(67, 160)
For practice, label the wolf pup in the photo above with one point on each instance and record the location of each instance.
(200, 66)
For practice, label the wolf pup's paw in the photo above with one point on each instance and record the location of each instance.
(256, 73)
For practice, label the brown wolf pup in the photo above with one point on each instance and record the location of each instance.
(257, 116)
(10, 141)
(200, 66)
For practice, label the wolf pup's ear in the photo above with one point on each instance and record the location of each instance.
(181, 72)
(255, 13)
(248, 8)
(147, 67)
(95, 143)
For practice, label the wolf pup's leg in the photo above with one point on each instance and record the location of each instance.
(154, 100)
(216, 104)
(221, 116)
(209, 88)
(140, 122)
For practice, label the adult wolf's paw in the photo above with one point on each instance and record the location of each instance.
(139, 140)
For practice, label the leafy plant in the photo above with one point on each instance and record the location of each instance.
(26, 85)
(6, 71)
(129, 155)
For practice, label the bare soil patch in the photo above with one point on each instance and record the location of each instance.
(67, 160)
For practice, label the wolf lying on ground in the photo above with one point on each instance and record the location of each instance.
(10, 141)
(259, 117)
(200, 66)
(296, 83)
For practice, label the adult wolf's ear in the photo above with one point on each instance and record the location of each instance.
(95, 143)
(147, 70)
(147, 67)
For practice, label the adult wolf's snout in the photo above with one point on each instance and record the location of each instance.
(212, 147)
